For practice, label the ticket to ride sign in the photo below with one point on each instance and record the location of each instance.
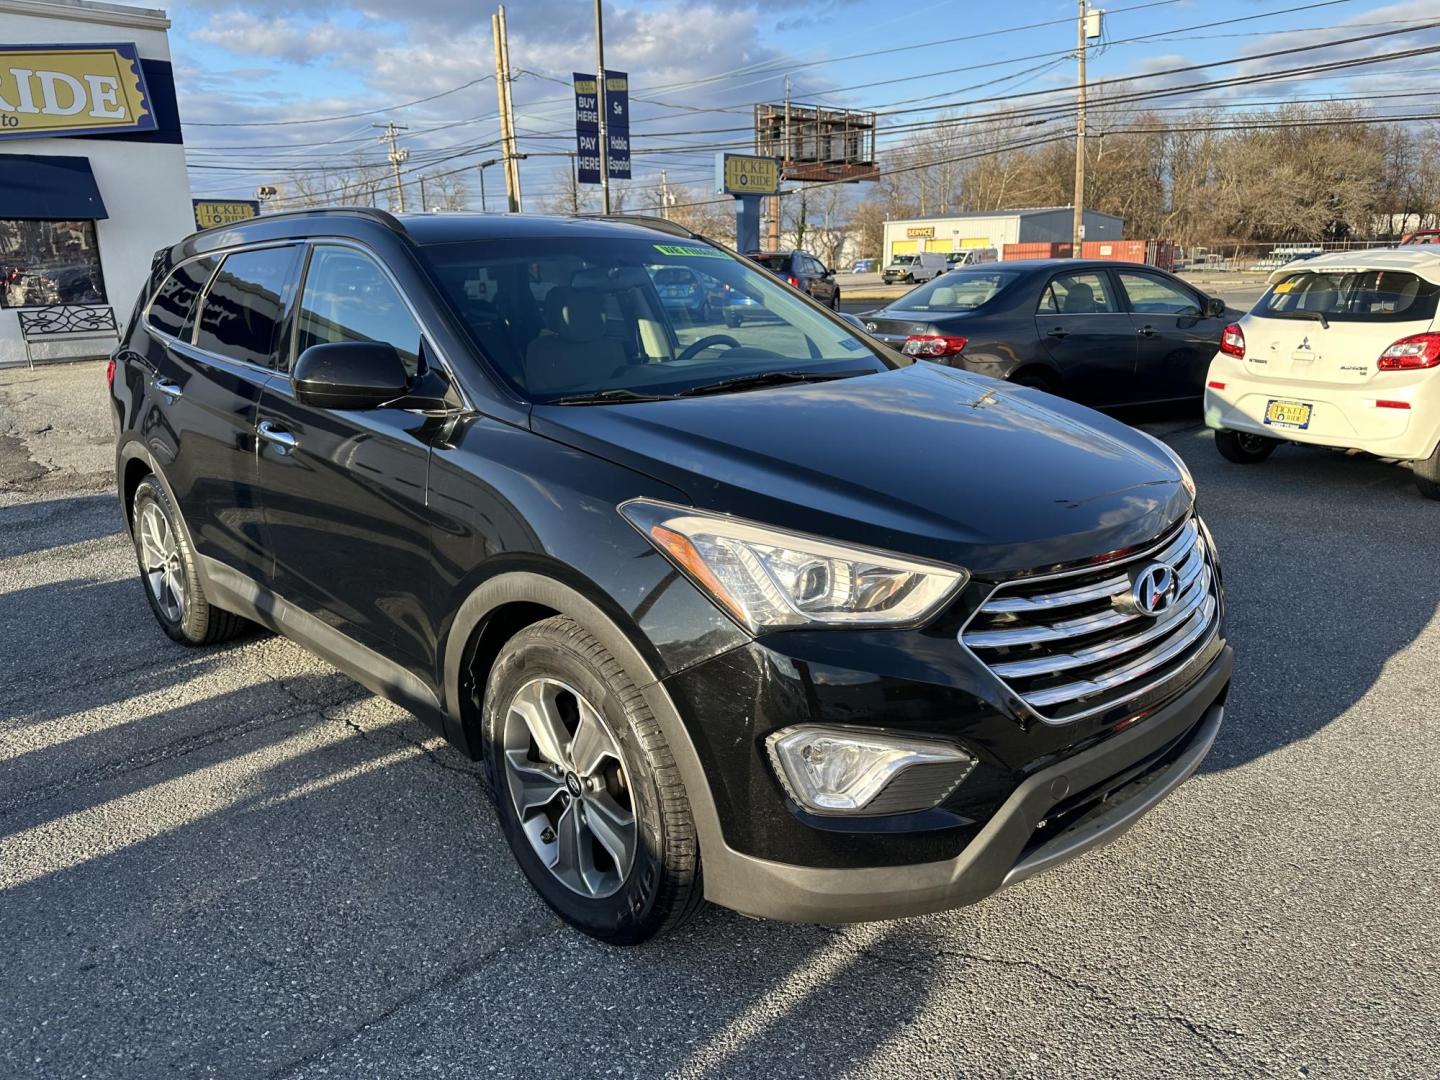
(212, 213)
(72, 90)
(743, 174)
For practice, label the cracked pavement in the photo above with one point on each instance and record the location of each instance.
(236, 862)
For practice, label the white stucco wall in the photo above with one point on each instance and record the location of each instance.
(145, 187)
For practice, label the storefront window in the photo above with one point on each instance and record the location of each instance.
(49, 262)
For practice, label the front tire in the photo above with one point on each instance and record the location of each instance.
(587, 791)
(1242, 448)
(167, 571)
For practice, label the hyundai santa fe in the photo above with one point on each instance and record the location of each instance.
(767, 615)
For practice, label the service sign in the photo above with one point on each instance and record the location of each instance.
(72, 90)
(920, 232)
(744, 174)
(212, 213)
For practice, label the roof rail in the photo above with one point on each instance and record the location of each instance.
(374, 213)
(650, 221)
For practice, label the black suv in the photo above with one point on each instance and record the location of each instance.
(860, 636)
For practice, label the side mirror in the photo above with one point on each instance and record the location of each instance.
(1214, 307)
(350, 375)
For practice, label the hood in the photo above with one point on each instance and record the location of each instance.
(925, 460)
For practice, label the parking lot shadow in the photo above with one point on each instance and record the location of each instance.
(1329, 575)
(30, 527)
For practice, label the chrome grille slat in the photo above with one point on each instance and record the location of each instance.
(1141, 665)
(1189, 600)
(1029, 643)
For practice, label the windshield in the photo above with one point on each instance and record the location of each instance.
(1351, 296)
(773, 262)
(568, 317)
(959, 290)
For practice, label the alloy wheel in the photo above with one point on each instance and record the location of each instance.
(568, 784)
(161, 562)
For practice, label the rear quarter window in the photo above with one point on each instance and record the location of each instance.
(174, 301)
(1352, 296)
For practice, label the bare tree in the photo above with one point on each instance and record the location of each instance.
(444, 191)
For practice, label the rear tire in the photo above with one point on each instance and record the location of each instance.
(167, 572)
(1243, 448)
(835, 300)
(599, 779)
(1427, 475)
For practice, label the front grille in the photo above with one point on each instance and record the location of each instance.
(1064, 645)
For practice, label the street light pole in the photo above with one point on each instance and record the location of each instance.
(483, 166)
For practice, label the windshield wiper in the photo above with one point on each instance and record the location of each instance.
(1324, 322)
(769, 378)
(614, 396)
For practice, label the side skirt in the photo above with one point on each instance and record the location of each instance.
(235, 592)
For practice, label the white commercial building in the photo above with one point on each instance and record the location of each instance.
(994, 229)
(92, 170)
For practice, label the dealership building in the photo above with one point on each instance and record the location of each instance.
(994, 229)
(92, 171)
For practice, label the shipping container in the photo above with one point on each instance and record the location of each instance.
(1036, 251)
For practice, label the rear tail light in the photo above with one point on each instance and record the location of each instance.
(1232, 341)
(1386, 404)
(1214, 385)
(110, 372)
(1412, 353)
(793, 280)
(933, 345)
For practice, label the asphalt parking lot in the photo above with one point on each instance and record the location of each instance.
(236, 862)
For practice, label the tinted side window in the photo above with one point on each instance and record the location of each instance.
(1152, 295)
(242, 310)
(171, 309)
(1084, 293)
(349, 298)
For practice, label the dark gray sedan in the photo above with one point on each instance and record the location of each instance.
(1101, 333)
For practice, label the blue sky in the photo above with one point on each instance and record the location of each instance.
(698, 66)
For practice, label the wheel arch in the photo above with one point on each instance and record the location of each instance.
(501, 606)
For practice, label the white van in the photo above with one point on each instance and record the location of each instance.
(972, 257)
(1342, 350)
(920, 266)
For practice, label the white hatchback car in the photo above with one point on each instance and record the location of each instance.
(1342, 350)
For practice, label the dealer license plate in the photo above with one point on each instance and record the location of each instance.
(1290, 414)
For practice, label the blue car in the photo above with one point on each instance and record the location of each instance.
(681, 290)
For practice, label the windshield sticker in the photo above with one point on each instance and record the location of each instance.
(696, 252)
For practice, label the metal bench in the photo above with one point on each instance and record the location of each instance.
(66, 322)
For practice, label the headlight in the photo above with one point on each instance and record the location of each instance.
(1177, 460)
(769, 579)
(851, 771)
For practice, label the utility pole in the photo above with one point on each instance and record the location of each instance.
(786, 152)
(664, 195)
(398, 157)
(424, 199)
(1078, 229)
(507, 110)
(601, 108)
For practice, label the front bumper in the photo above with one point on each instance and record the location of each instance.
(1056, 813)
(1343, 416)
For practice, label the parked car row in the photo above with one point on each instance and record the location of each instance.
(1340, 351)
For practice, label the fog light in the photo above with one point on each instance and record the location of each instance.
(855, 771)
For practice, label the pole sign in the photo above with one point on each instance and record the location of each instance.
(587, 126)
(617, 123)
(745, 174)
(212, 213)
(72, 90)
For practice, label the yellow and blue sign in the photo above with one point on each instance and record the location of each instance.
(72, 90)
(212, 213)
(587, 126)
(746, 174)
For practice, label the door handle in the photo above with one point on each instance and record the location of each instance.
(171, 390)
(1057, 332)
(1147, 331)
(271, 432)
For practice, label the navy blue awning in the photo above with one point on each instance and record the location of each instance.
(59, 188)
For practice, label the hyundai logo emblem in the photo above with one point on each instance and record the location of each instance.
(1153, 590)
